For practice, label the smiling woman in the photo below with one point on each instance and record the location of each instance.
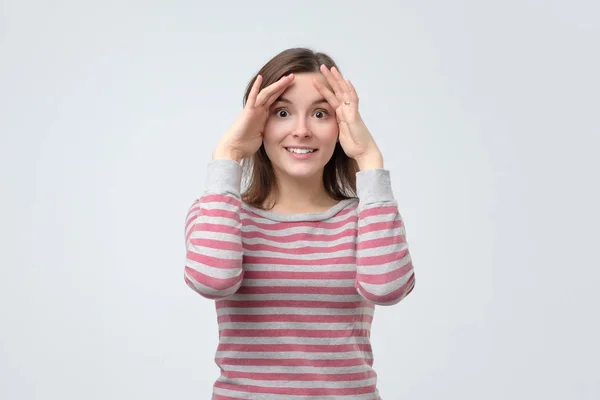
(298, 261)
(298, 68)
(299, 140)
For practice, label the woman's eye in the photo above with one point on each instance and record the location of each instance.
(282, 113)
(321, 114)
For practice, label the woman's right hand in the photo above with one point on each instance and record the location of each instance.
(244, 137)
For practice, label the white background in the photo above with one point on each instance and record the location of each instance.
(487, 114)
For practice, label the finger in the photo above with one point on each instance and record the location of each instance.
(347, 97)
(344, 135)
(353, 93)
(339, 114)
(344, 129)
(275, 88)
(331, 80)
(340, 80)
(254, 91)
(329, 96)
(275, 95)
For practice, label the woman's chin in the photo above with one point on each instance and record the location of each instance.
(302, 172)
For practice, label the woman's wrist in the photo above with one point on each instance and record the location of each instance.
(373, 160)
(222, 153)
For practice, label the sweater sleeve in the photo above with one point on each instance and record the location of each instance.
(384, 267)
(213, 266)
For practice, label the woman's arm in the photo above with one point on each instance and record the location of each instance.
(385, 272)
(213, 266)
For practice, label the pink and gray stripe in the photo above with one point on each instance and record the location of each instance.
(295, 294)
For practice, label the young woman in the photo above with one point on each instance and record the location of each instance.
(297, 261)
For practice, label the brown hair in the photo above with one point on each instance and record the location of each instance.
(339, 175)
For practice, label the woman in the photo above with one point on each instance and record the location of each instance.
(298, 260)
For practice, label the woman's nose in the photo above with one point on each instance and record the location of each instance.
(301, 128)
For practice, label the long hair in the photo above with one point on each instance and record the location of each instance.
(339, 175)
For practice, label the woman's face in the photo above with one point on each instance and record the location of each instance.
(301, 131)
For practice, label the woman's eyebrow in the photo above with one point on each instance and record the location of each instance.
(284, 100)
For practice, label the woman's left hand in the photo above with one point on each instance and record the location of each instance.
(354, 137)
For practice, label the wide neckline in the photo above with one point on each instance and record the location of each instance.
(300, 217)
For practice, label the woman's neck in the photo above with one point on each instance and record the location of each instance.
(298, 197)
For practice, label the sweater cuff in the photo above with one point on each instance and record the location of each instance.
(374, 186)
(224, 177)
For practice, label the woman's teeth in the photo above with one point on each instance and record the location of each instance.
(299, 151)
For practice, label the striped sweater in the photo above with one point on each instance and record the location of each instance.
(295, 294)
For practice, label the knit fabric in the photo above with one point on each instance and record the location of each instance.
(295, 293)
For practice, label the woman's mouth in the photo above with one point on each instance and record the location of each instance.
(300, 153)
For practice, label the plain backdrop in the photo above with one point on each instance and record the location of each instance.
(487, 115)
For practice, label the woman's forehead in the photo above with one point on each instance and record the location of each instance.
(303, 87)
